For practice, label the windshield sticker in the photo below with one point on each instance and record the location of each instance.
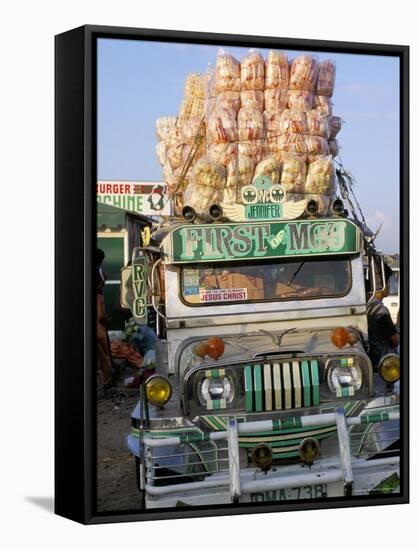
(222, 295)
(190, 282)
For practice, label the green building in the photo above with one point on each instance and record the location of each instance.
(118, 233)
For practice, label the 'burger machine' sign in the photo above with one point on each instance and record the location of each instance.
(146, 198)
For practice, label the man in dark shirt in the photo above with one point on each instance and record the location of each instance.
(383, 334)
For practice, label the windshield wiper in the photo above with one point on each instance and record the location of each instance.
(295, 273)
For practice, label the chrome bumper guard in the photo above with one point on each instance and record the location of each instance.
(239, 482)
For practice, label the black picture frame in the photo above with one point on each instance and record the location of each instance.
(75, 243)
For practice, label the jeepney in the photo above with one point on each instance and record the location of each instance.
(263, 390)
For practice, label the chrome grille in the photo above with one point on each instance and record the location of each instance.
(273, 386)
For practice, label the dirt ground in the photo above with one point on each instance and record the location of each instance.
(116, 484)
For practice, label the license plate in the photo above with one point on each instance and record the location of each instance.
(295, 493)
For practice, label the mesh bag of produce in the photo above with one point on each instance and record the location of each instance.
(293, 121)
(316, 145)
(231, 190)
(336, 124)
(222, 153)
(276, 70)
(300, 100)
(206, 185)
(232, 172)
(269, 167)
(191, 107)
(272, 121)
(173, 179)
(252, 149)
(228, 100)
(250, 124)
(192, 153)
(200, 197)
(195, 85)
(318, 124)
(321, 176)
(174, 155)
(271, 148)
(293, 173)
(209, 107)
(222, 126)
(163, 124)
(276, 99)
(192, 130)
(171, 185)
(323, 104)
(230, 195)
(227, 73)
(209, 174)
(252, 71)
(161, 152)
(174, 136)
(166, 171)
(333, 147)
(303, 73)
(208, 80)
(252, 99)
(293, 143)
(326, 78)
(245, 169)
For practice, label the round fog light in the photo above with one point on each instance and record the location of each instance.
(389, 368)
(309, 450)
(158, 390)
(262, 456)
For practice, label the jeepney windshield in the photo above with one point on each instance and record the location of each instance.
(258, 282)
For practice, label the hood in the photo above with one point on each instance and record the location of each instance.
(240, 348)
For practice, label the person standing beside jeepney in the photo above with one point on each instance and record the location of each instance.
(382, 332)
(104, 357)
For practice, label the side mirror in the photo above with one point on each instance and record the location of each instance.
(374, 274)
(380, 280)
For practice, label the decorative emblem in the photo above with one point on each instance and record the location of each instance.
(261, 201)
(249, 194)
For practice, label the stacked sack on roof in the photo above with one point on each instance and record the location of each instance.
(259, 117)
(181, 138)
(222, 106)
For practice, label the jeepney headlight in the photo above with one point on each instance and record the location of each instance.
(344, 376)
(389, 368)
(214, 389)
(158, 390)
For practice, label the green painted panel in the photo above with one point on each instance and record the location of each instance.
(315, 381)
(248, 385)
(257, 373)
(306, 383)
(243, 241)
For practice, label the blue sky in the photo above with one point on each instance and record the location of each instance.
(139, 81)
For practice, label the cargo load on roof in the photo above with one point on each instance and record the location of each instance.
(244, 119)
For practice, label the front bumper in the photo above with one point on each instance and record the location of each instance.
(181, 462)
